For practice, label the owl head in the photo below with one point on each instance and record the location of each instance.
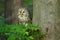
(22, 12)
(23, 15)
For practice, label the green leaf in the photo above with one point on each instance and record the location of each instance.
(12, 37)
(27, 33)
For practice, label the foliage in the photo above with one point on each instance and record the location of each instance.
(21, 32)
(28, 2)
(1, 21)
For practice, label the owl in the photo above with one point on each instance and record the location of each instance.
(23, 16)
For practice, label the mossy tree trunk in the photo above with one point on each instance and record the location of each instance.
(46, 13)
(11, 9)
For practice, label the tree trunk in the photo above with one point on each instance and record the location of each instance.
(57, 29)
(11, 9)
(45, 14)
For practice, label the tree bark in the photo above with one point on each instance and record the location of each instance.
(45, 14)
(57, 29)
(11, 9)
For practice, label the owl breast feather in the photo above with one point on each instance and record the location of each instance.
(23, 18)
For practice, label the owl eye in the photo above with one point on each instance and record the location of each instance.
(20, 11)
(23, 11)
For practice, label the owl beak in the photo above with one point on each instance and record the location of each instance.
(21, 14)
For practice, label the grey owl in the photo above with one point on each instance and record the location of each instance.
(23, 16)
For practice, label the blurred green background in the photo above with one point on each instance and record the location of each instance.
(2, 7)
(27, 4)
